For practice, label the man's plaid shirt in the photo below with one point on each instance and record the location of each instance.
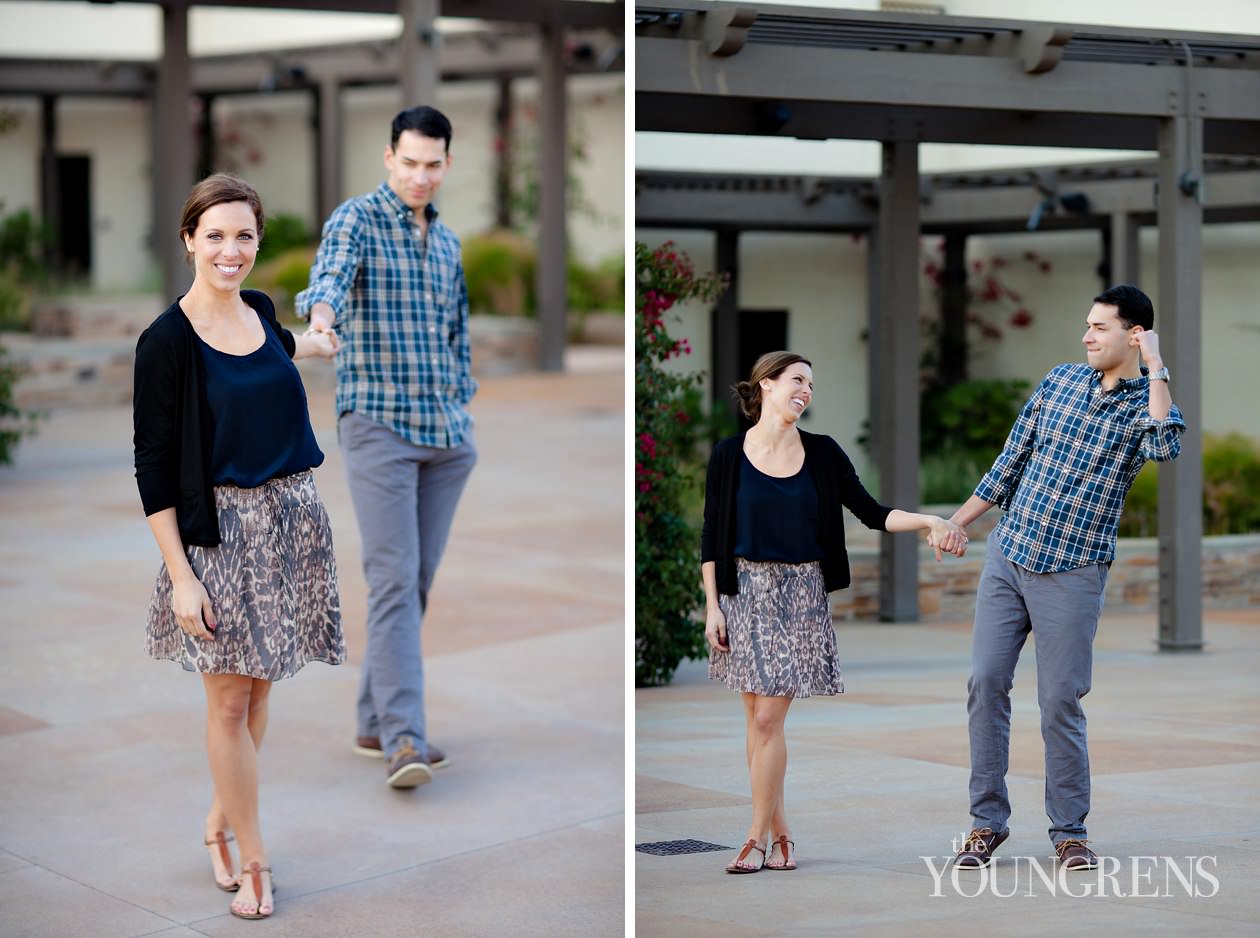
(402, 317)
(1067, 465)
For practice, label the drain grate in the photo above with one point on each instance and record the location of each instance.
(678, 848)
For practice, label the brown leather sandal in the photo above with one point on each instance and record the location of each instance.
(740, 864)
(789, 859)
(255, 874)
(225, 855)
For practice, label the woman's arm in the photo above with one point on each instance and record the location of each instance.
(714, 620)
(321, 344)
(189, 601)
(943, 535)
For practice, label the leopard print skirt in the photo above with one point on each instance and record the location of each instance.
(779, 632)
(272, 581)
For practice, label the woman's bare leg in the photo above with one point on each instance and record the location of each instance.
(232, 718)
(766, 751)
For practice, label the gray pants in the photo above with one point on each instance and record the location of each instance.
(404, 498)
(1061, 610)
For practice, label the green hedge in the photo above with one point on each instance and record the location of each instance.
(1231, 490)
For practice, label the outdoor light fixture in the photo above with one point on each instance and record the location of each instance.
(1074, 203)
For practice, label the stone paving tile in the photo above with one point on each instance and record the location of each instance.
(38, 903)
(877, 779)
(101, 753)
(564, 882)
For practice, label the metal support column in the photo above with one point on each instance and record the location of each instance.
(1178, 322)
(417, 47)
(1125, 252)
(552, 281)
(172, 148)
(328, 155)
(726, 324)
(897, 408)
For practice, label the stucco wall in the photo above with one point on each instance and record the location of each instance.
(269, 141)
(821, 281)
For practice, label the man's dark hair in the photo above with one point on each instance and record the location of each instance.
(425, 120)
(1132, 305)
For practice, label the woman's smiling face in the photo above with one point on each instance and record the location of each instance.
(790, 393)
(225, 244)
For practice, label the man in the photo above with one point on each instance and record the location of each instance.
(389, 278)
(1062, 476)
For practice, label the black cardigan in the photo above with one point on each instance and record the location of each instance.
(836, 482)
(171, 418)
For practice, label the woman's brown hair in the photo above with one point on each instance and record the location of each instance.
(215, 190)
(769, 365)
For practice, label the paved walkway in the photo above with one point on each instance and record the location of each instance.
(877, 779)
(103, 769)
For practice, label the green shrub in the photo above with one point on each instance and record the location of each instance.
(284, 276)
(14, 303)
(972, 416)
(499, 267)
(22, 244)
(1231, 490)
(14, 423)
(613, 269)
(950, 475)
(293, 273)
(283, 233)
(666, 554)
(1231, 484)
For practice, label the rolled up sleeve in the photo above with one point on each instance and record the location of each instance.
(336, 263)
(1162, 440)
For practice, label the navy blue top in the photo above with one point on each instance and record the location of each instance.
(262, 428)
(776, 519)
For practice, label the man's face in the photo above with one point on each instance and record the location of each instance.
(417, 166)
(1108, 344)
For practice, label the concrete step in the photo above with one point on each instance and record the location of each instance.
(58, 372)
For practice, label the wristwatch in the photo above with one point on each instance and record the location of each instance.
(1161, 375)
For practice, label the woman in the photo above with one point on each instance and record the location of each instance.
(772, 548)
(247, 593)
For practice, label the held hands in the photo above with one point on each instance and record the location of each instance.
(715, 630)
(193, 611)
(944, 535)
(323, 339)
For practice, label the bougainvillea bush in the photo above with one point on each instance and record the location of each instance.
(667, 547)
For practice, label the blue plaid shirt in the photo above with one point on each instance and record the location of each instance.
(402, 316)
(1067, 465)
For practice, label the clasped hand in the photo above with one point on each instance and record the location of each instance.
(946, 536)
(325, 341)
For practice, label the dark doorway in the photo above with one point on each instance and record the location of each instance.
(74, 216)
(760, 331)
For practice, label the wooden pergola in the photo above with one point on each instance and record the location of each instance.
(551, 31)
(905, 79)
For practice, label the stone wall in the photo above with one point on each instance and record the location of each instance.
(947, 591)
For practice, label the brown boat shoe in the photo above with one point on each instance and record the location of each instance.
(1074, 855)
(977, 849)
